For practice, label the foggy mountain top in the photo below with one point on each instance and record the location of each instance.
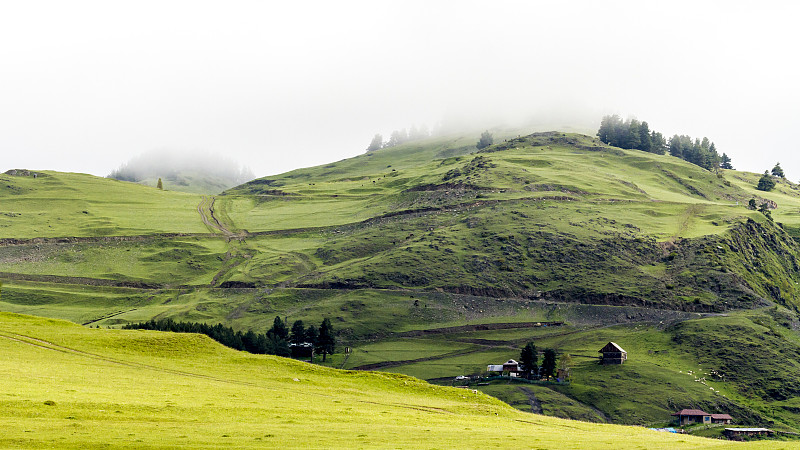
(170, 164)
(285, 85)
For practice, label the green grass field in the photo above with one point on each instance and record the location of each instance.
(57, 204)
(69, 387)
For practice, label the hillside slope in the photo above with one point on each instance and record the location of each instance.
(550, 215)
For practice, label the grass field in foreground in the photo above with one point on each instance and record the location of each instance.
(71, 387)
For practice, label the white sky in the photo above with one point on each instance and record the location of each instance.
(85, 86)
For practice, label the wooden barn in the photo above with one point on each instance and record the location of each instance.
(613, 354)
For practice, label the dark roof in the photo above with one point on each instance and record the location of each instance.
(721, 416)
(750, 430)
(611, 347)
(691, 412)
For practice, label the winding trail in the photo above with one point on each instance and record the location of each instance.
(206, 210)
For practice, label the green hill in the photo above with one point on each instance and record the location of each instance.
(549, 216)
(57, 204)
(70, 387)
(649, 251)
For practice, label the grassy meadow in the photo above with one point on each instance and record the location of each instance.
(58, 204)
(70, 387)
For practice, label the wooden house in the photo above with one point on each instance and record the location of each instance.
(721, 418)
(613, 354)
(511, 366)
(690, 416)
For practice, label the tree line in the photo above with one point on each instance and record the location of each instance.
(274, 342)
(633, 134)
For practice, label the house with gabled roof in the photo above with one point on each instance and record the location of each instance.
(613, 354)
(690, 416)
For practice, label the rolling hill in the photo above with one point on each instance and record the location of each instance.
(416, 252)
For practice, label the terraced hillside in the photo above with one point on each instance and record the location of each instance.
(646, 250)
(66, 386)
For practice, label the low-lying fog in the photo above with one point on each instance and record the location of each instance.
(173, 165)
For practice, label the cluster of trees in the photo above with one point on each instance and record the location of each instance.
(633, 134)
(529, 362)
(767, 181)
(274, 342)
(399, 137)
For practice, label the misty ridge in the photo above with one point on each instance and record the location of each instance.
(190, 171)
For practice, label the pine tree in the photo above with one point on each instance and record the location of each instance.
(312, 335)
(725, 160)
(644, 137)
(675, 147)
(658, 144)
(548, 363)
(529, 359)
(298, 334)
(327, 340)
(159, 185)
(609, 131)
(632, 135)
(766, 182)
(777, 171)
(376, 144)
(279, 329)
